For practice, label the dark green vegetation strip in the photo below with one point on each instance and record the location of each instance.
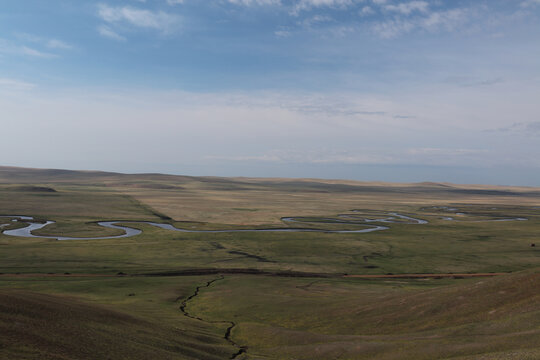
(245, 271)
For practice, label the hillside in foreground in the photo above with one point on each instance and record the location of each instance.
(40, 326)
(497, 318)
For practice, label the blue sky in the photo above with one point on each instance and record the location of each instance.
(366, 89)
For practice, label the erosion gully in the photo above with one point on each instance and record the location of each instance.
(232, 324)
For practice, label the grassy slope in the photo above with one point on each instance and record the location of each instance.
(327, 319)
(141, 321)
(277, 318)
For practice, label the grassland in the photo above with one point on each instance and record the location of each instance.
(139, 321)
(292, 319)
(66, 297)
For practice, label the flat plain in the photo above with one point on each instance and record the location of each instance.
(267, 295)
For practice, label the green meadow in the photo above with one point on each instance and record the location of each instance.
(266, 295)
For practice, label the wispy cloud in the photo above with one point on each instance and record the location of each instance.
(387, 19)
(303, 5)
(25, 50)
(58, 44)
(447, 20)
(13, 84)
(50, 43)
(408, 8)
(419, 156)
(404, 117)
(254, 2)
(316, 19)
(107, 32)
(528, 128)
(9, 48)
(141, 18)
(366, 10)
(529, 3)
(445, 151)
(468, 81)
(322, 156)
(282, 33)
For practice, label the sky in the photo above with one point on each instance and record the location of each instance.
(392, 90)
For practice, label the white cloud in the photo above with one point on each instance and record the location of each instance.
(445, 151)
(282, 33)
(157, 20)
(468, 81)
(317, 19)
(309, 4)
(254, 2)
(109, 33)
(448, 19)
(58, 44)
(321, 156)
(366, 10)
(338, 31)
(36, 53)
(393, 28)
(442, 20)
(46, 42)
(365, 156)
(524, 128)
(13, 84)
(408, 8)
(529, 3)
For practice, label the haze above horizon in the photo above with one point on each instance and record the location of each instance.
(391, 90)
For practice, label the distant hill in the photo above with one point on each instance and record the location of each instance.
(217, 199)
(18, 175)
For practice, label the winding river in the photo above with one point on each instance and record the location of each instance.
(356, 220)
(129, 232)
